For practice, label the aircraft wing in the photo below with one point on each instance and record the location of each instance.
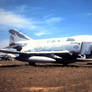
(36, 53)
(12, 52)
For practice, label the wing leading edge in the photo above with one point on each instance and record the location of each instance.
(36, 53)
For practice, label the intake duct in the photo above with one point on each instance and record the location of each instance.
(18, 47)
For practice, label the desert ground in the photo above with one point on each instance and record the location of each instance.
(16, 76)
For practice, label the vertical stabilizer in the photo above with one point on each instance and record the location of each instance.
(16, 36)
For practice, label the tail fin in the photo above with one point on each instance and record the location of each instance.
(16, 36)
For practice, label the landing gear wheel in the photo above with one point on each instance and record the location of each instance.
(65, 64)
(32, 64)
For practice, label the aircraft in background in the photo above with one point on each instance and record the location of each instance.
(7, 57)
(57, 50)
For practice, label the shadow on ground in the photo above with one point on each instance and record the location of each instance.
(46, 65)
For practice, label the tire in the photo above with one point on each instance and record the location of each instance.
(65, 64)
(32, 64)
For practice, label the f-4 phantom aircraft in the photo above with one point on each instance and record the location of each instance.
(57, 50)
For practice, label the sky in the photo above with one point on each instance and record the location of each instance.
(41, 19)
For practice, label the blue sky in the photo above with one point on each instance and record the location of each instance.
(41, 19)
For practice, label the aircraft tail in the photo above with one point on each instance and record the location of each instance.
(16, 36)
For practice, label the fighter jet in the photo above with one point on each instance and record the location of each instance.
(55, 50)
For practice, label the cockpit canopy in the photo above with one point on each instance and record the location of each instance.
(70, 39)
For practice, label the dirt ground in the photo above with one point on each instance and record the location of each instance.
(16, 76)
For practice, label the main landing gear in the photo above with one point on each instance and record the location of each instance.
(32, 64)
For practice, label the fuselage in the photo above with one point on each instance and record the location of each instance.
(58, 44)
